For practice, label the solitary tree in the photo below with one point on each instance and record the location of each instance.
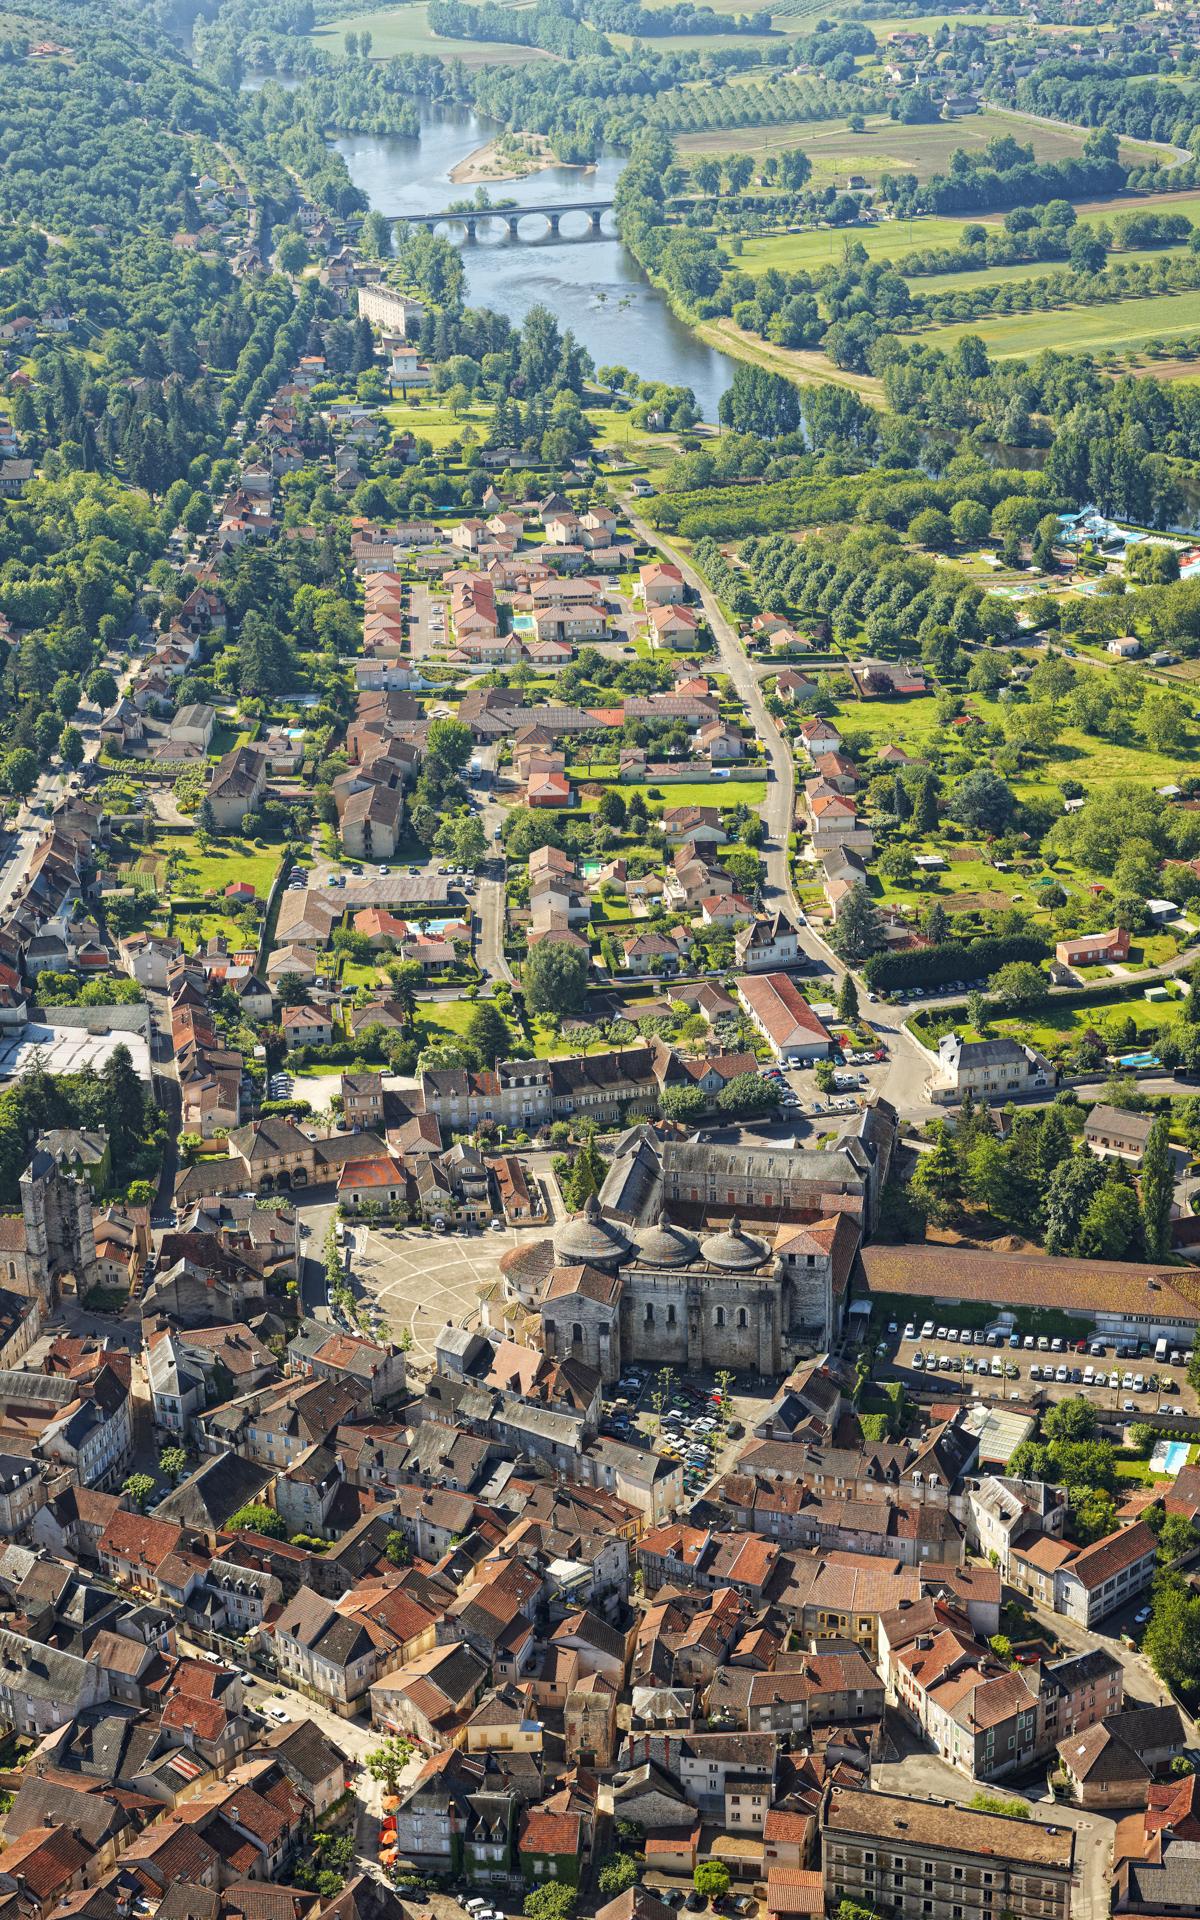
(848, 999)
(387, 1762)
(173, 1462)
(711, 1879)
(1158, 1190)
(139, 1487)
(256, 1517)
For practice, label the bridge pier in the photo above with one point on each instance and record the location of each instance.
(554, 218)
(469, 223)
(594, 218)
(512, 222)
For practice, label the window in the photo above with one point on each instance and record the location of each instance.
(718, 1316)
(742, 1318)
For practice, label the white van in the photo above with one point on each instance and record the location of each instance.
(1161, 1350)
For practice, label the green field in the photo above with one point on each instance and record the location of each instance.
(823, 246)
(930, 22)
(1061, 1021)
(1118, 325)
(938, 283)
(695, 42)
(399, 30)
(226, 860)
(911, 724)
(887, 146)
(693, 793)
(432, 420)
(195, 928)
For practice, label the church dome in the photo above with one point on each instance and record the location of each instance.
(588, 1239)
(735, 1248)
(664, 1245)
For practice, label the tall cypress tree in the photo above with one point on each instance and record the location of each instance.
(1158, 1190)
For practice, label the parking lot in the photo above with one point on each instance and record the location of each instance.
(858, 1073)
(1020, 1365)
(702, 1421)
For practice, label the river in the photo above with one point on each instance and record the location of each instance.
(595, 287)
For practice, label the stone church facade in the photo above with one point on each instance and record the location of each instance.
(665, 1296)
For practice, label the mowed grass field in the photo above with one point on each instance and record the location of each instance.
(398, 30)
(1119, 326)
(888, 147)
(1028, 270)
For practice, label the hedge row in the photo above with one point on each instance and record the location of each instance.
(974, 959)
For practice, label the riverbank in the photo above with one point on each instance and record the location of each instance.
(507, 159)
(803, 364)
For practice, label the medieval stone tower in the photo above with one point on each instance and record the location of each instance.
(57, 1207)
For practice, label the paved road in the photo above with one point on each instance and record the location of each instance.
(489, 896)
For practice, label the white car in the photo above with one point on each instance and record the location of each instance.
(952, 1334)
(1114, 1379)
(927, 1330)
(910, 1331)
(918, 1361)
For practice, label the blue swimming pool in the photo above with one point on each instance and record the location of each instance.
(1170, 1456)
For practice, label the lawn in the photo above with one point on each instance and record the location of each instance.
(548, 1045)
(443, 1019)
(693, 42)
(911, 724)
(195, 928)
(1053, 1023)
(432, 420)
(1188, 203)
(227, 859)
(1118, 324)
(819, 246)
(396, 31)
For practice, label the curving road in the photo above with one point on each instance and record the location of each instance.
(908, 1063)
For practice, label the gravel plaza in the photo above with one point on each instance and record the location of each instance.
(421, 1279)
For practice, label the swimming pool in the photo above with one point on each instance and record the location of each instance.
(1169, 1456)
(522, 623)
(1138, 1060)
